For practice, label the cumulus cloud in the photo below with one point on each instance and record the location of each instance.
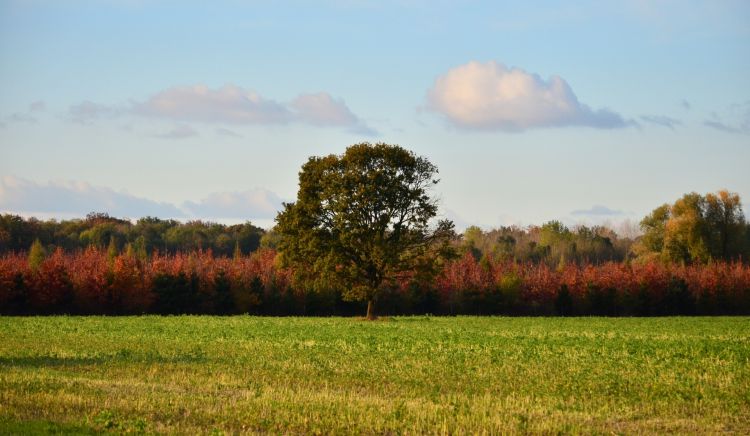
(255, 203)
(181, 131)
(228, 104)
(661, 120)
(66, 198)
(322, 110)
(491, 96)
(597, 210)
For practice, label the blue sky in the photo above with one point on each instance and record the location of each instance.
(580, 111)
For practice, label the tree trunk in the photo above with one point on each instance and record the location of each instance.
(370, 310)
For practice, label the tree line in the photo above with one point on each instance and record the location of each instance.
(146, 235)
(695, 228)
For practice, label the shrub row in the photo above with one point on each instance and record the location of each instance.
(93, 282)
(608, 289)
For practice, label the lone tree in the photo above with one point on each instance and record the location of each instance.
(362, 220)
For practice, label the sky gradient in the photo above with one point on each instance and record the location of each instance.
(586, 112)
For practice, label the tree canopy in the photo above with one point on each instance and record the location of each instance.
(362, 220)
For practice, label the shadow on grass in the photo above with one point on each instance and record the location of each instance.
(120, 357)
(9, 426)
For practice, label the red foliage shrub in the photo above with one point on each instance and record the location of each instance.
(50, 289)
(129, 290)
(90, 282)
(13, 269)
(90, 275)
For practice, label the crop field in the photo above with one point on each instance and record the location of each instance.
(195, 374)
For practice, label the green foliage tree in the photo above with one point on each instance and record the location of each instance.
(190, 236)
(36, 255)
(139, 245)
(557, 241)
(248, 235)
(362, 219)
(112, 250)
(270, 239)
(471, 240)
(554, 232)
(224, 243)
(654, 227)
(505, 246)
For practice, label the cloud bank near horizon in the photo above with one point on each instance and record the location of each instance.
(257, 203)
(491, 96)
(76, 199)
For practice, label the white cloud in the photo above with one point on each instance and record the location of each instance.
(322, 110)
(255, 203)
(228, 104)
(231, 104)
(66, 198)
(491, 96)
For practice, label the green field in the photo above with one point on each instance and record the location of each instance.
(398, 375)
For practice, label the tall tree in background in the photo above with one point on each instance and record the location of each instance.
(36, 255)
(686, 230)
(361, 220)
(726, 224)
(651, 244)
(695, 228)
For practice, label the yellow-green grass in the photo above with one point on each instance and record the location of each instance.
(192, 374)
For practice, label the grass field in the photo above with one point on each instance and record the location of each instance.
(398, 375)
